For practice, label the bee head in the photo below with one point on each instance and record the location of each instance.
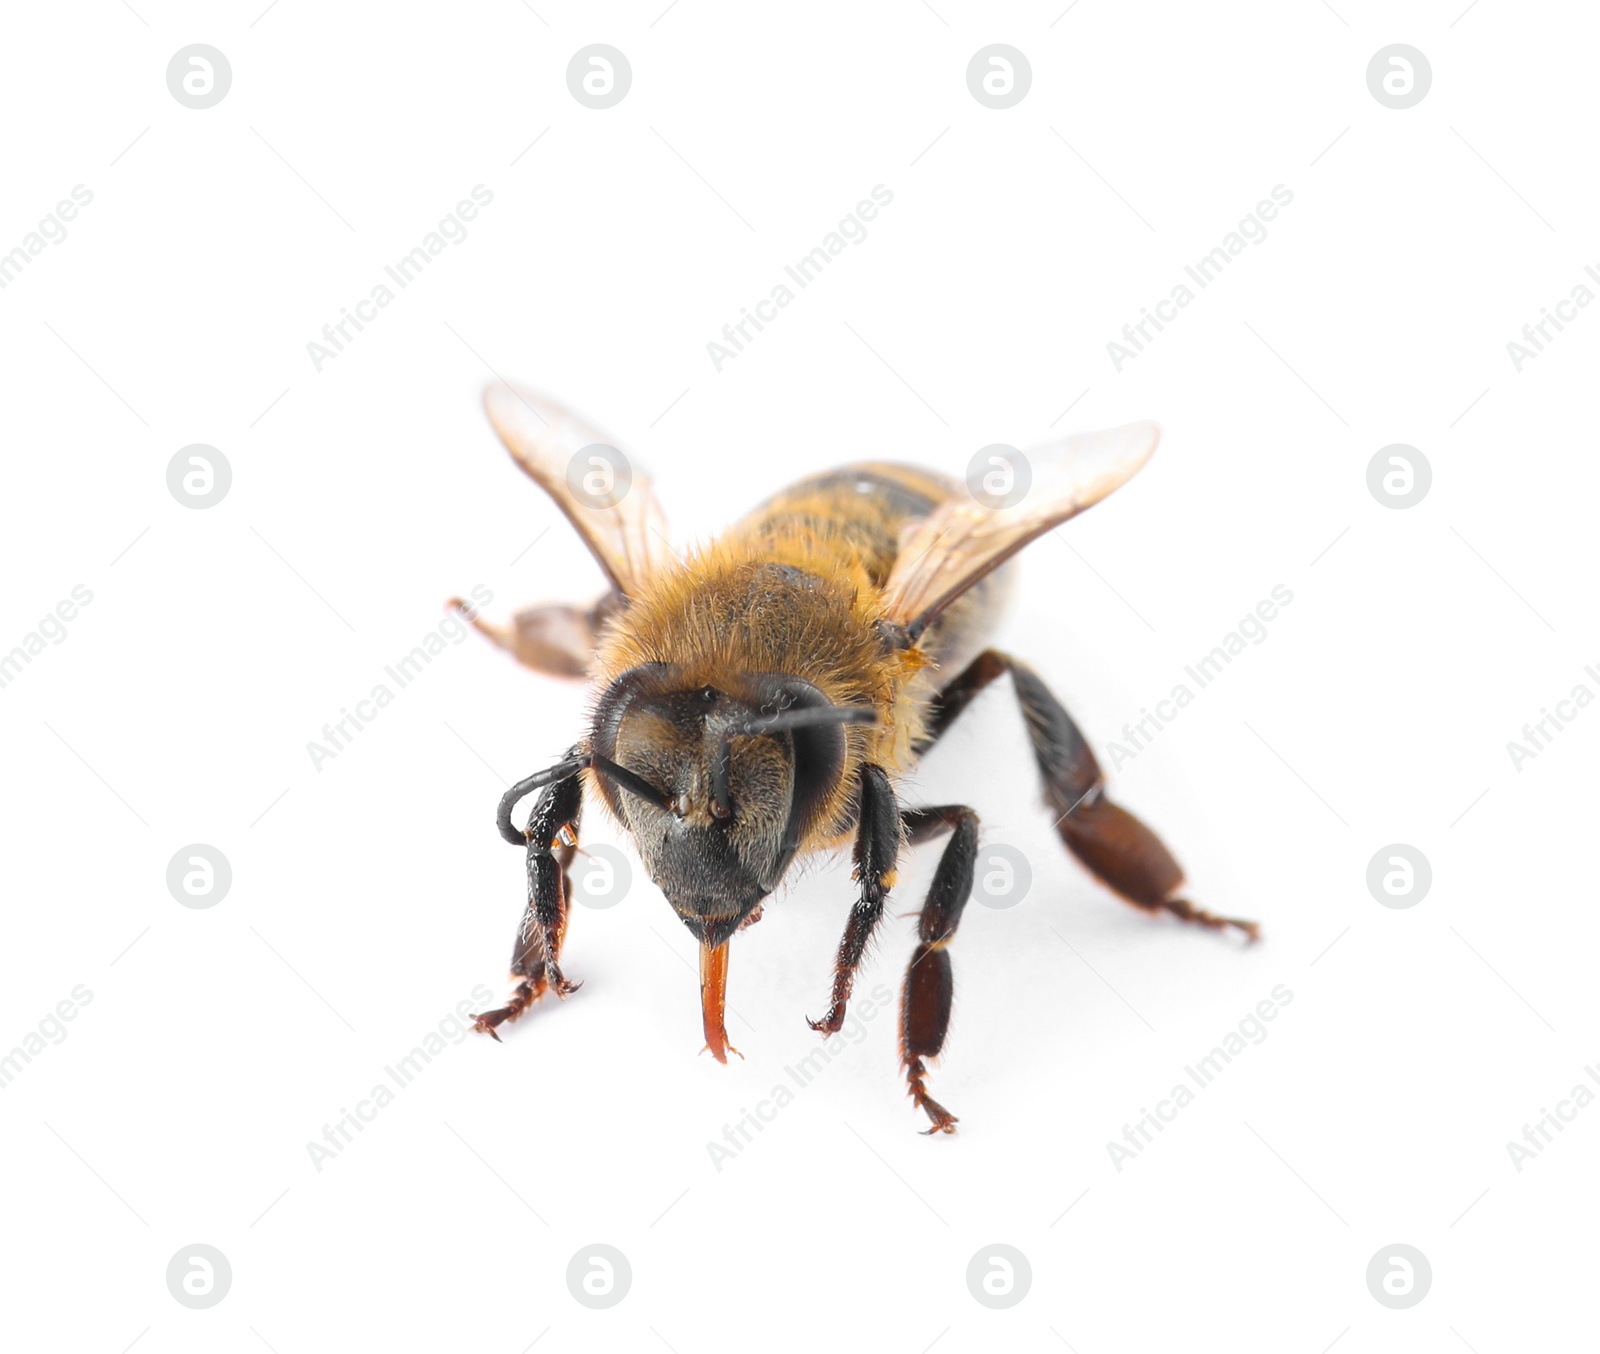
(717, 783)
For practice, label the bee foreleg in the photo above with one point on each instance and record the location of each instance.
(1118, 849)
(929, 987)
(876, 849)
(535, 958)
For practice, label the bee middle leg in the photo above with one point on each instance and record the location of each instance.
(1117, 848)
(929, 986)
(536, 957)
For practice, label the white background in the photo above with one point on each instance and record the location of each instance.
(371, 896)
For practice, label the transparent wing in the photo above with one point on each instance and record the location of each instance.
(962, 540)
(556, 639)
(612, 505)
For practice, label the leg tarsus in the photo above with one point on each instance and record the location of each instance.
(929, 989)
(522, 997)
(1183, 909)
(1130, 860)
(526, 993)
(916, 1088)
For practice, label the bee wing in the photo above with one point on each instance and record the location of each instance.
(624, 528)
(962, 540)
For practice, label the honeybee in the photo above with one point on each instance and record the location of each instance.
(757, 702)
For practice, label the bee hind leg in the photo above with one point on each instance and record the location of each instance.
(929, 985)
(1118, 849)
